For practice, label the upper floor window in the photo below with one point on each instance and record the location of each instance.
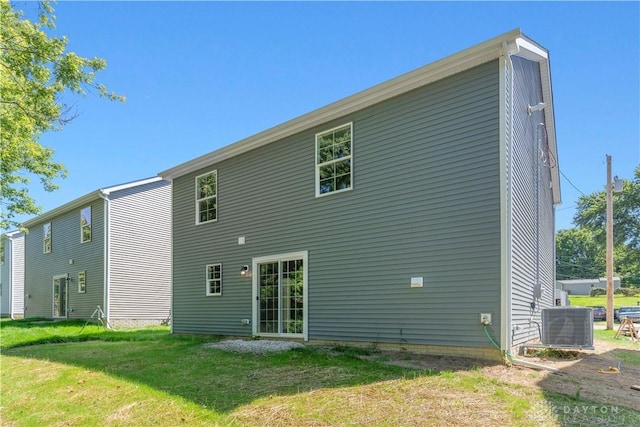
(85, 224)
(206, 197)
(334, 168)
(46, 233)
(214, 279)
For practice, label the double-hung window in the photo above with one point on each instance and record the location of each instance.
(207, 197)
(214, 280)
(82, 282)
(85, 225)
(334, 166)
(46, 240)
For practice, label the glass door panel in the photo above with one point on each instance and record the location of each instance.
(60, 296)
(281, 297)
(268, 284)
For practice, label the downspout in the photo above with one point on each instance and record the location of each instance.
(506, 148)
(106, 253)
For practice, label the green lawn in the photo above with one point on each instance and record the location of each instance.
(55, 376)
(589, 301)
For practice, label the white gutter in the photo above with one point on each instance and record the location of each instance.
(86, 199)
(453, 64)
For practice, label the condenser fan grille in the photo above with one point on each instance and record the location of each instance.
(567, 327)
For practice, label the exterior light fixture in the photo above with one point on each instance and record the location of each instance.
(245, 271)
(538, 107)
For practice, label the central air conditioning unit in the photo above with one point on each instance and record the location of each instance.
(570, 327)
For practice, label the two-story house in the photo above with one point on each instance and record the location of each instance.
(397, 216)
(110, 248)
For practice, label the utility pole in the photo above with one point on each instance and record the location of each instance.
(609, 260)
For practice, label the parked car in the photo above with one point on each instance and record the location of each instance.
(599, 313)
(633, 312)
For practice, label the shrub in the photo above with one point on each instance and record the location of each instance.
(595, 292)
(627, 292)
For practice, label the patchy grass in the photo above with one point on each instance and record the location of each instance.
(61, 377)
(628, 351)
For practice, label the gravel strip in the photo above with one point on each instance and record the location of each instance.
(255, 347)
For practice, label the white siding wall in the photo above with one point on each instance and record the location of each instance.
(140, 255)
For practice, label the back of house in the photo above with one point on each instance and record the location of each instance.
(105, 254)
(382, 218)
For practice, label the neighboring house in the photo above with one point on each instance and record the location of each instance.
(395, 216)
(584, 286)
(110, 248)
(562, 296)
(12, 274)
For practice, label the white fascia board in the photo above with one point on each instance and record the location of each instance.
(74, 204)
(440, 69)
(13, 234)
(86, 199)
(109, 190)
(528, 49)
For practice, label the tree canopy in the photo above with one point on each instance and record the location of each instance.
(580, 251)
(35, 71)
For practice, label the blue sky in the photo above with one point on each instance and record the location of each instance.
(202, 75)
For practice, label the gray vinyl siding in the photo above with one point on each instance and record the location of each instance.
(140, 254)
(40, 268)
(425, 202)
(532, 210)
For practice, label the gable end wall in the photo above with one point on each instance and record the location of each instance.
(425, 203)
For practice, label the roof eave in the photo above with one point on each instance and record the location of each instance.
(527, 48)
(468, 58)
(86, 199)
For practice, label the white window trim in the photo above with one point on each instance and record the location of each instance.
(198, 222)
(317, 166)
(89, 223)
(84, 274)
(207, 280)
(44, 238)
(304, 256)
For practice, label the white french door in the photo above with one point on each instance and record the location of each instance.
(60, 296)
(280, 295)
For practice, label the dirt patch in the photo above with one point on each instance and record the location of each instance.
(578, 372)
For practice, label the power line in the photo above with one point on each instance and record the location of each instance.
(572, 184)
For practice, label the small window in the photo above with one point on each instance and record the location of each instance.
(334, 167)
(206, 197)
(214, 279)
(82, 282)
(85, 225)
(46, 232)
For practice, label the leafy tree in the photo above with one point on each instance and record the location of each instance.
(581, 251)
(578, 255)
(35, 71)
(592, 214)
